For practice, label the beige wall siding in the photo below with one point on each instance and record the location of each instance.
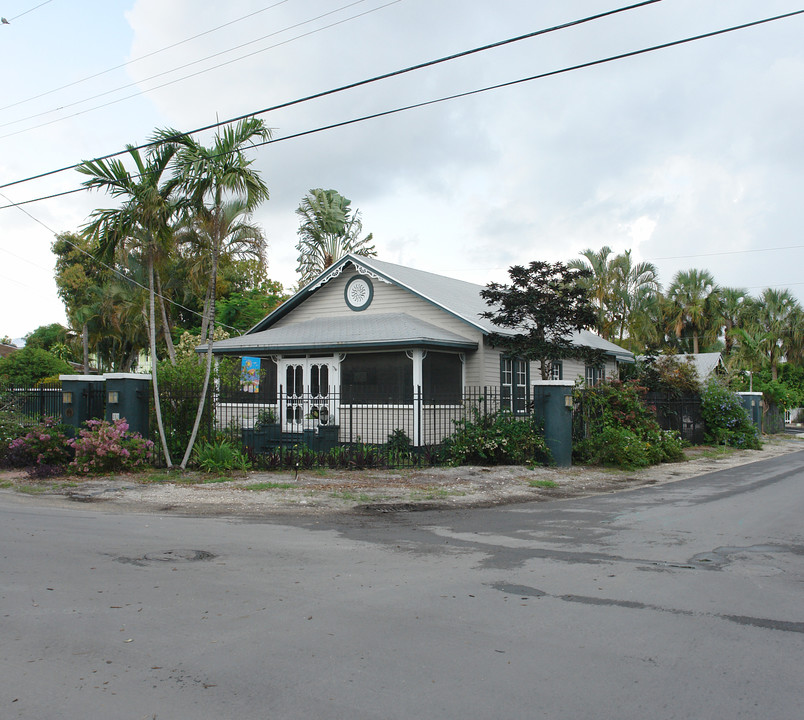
(329, 301)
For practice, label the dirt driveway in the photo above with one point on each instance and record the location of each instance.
(380, 491)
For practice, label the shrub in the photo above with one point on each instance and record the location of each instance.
(104, 447)
(44, 444)
(219, 456)
(620, 430)
(726, 420)
(11, 427)
(496, 439)
(26, 367)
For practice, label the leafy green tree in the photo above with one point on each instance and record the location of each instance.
(243, 311)
(211, 176)
(79, 279)
(328, 231)
(143, 220)
(694, 307)
(47, 337)
(545, 304)
(26, 367)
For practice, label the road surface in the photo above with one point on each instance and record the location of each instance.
(684, 600)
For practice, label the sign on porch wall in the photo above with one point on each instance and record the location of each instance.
(250, 374)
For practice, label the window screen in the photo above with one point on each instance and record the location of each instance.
(441, 377)
(377, 378)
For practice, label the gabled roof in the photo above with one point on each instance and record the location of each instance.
(705, 363)
(458, 298)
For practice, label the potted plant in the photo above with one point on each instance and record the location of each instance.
(265, 432)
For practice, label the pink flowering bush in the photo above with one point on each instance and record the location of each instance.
(44, 445)
(108, 447)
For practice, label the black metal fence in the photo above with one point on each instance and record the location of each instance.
(682, 414)
(402, 429)
(31, 405)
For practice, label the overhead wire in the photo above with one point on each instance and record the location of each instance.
(349, 86)
(141, 57)
(190, 64)
(29, 10)
(114, 270)
(425, 103)
(408, 107)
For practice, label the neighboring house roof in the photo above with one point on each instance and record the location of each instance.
(6, 350)
(458, 298)
(705, 363)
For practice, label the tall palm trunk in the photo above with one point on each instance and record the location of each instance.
(165, 324)
(85, 343)
(213, 281)
(154, 380)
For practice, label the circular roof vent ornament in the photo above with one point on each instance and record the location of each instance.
(359, 293)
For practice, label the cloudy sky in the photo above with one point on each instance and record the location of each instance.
(691, 156)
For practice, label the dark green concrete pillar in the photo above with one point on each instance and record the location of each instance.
(752, 402)
(552, 405)
(82, 399)
(127, 396)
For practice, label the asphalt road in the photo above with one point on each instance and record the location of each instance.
(682, 600)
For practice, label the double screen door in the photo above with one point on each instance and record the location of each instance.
(309, 388)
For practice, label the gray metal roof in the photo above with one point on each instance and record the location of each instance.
(341, 333)
(456, 297)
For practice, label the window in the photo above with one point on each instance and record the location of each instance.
(594, 374)
(441, 378)
(377, 378)
(556, 370)
(514, 381)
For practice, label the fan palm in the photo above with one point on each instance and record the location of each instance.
(695, 306)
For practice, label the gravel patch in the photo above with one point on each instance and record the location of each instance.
(369, 491)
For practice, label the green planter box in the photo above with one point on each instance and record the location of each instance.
(262, 438)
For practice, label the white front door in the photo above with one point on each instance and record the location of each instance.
(309, 391)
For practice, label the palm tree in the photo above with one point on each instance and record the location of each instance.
(776, 331)
(211, 176)
(734, 304)
(328, 231)
(599, 285)
(143, 218)
(695, 306)
(241, 240)
(633, 286)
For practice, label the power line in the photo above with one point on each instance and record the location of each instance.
(35, 7)
(425, 103)
(112, 269)
(726, 252)
(353, 85)
(190, 64)
(141, 57)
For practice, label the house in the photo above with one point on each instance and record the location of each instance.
(6, 350)
(707, 365)
(368, 335)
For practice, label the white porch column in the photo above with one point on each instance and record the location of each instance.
(417, 356)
